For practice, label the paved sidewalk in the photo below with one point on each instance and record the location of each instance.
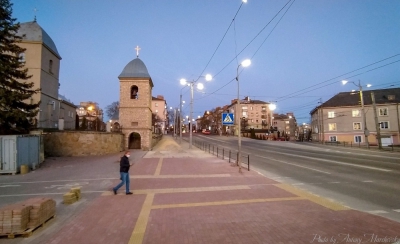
(184, 195)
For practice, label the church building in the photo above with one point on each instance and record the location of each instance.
(135, 114)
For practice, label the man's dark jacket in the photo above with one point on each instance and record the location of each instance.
(124, 164)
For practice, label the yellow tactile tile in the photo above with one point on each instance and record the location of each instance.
(141, 223)
(202, 204)
(313, 198)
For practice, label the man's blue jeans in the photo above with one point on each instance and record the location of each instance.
(124, 180)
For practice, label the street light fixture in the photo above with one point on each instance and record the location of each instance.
(199, 86)
(244, 63)
(271, 107)
(366, 132)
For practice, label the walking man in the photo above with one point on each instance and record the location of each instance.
(124, 166)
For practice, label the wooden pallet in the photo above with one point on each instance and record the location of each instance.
(26, 233)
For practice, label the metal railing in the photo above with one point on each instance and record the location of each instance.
(222, 152)
(360, 145)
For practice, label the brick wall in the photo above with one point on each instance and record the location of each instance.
(81, 143)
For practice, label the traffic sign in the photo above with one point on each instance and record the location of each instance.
(227, 119)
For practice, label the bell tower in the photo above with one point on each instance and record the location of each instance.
(135, 104)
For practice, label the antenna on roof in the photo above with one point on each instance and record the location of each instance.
(35, 10)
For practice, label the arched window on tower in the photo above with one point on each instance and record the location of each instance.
(134, 92)
(51, 66)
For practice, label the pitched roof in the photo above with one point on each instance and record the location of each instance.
(349, 99)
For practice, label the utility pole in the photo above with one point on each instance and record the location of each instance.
(366, 132)
(378, 129)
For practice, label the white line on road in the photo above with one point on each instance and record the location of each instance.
(293, 164)
(377, 212)
(47, 193)
(331, 161)
(10, 186)
(396, 210)
(368, 181)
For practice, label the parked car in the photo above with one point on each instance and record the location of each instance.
(206, 132)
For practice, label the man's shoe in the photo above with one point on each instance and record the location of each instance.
(129, 193)
(115, 192)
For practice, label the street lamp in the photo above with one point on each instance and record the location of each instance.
(271, 107)
(180, 113)
(244, 63)
(199, 86)
(366, 132)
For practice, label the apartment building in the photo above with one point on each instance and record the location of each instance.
(341, 118)
(159, 108)
(286, 124)
(252, 113)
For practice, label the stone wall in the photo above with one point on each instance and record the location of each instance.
(81, 143)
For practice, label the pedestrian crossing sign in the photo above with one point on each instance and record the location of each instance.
(227, 119)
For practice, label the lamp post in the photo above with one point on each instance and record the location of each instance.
(244, 63)
(366, 132)
(180, 113)
(271, 107)
(199, 86)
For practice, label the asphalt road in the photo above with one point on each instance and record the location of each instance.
(366, 180)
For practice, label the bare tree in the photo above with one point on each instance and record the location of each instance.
(112, 109)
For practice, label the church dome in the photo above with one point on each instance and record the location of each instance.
(31, 31)
(135, 69)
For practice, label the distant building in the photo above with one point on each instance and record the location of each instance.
(341, 119)
(286, 124)
(67, 119)
(159, 109)
(90, 116)
(255, 113)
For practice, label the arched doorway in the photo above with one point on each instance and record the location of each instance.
(134, 141)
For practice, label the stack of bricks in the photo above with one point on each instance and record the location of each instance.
(14, 218)
(42, 210)
(72, 196)
(18, 217)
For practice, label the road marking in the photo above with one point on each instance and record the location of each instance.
(396, 210)
(66, 186)
(331, 161)
(368, 181)
(203, 204)
(141, 223)
(297, 184)
(53, 181)
(47, 193)
(159, 165)
(313, 198)
(377, 212)
(334, 182)
(10, 186)
(294, 164)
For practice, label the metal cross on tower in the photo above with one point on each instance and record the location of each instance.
(137, 51)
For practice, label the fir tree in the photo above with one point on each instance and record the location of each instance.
(17, 112)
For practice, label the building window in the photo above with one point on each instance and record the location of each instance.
(51, 66)
(156, 111)
(332, 138)
(356, 113)
(287, 122)
(134, 92)
(331, 114)
(251, 108)
(256, 120)
(356, 126)
(357, 139)
(22, 57)
(332, 126)
(244, 113)
(156, 104)
(384, 125)
(244, 107)
(383, 111)
(391, 97)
